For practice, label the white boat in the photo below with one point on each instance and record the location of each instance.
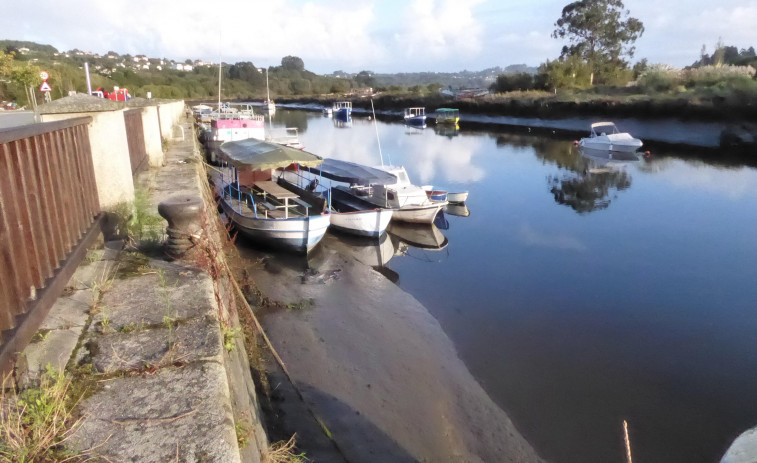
(232, 122)
(328, 111)
(410, 202)
(457, 198)
(440, 194)
(288, 136)
(348, 214)
(606, 136)
(262, 210)
(415, 117)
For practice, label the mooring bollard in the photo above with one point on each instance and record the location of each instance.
(184, 216)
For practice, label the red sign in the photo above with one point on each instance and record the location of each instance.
(45, 87)
(44, 75)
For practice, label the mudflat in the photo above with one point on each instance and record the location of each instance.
(377, 369)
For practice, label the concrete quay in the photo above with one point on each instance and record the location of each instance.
(159, 344)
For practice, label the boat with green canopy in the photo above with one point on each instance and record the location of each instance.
(450, 116)
(260, 208)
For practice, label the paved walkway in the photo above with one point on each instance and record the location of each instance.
(149, 332)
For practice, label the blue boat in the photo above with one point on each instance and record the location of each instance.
(415, 117)
(342, 110)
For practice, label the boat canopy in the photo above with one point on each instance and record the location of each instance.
(447, 110)
(349, 172)
(253, 154)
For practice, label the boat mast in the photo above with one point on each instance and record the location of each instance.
(267, 91)
(375, 124)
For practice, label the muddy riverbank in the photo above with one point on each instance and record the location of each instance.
(376, 368)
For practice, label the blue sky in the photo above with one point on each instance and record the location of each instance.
(381, 36)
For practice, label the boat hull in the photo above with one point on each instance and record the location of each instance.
(457, 198)
(371, 223)
(296, 234)
(418, 214)
(343, 114)
(416, 121)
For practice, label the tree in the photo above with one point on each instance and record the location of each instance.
(6, 64)
(292, 63)
(599, 31)
(365, 79)
(28, 77)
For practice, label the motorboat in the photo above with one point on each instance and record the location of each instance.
(349, 213)
(385, 187)
(288, 136)
(606, 136)
(448, 116)
(342, 110)
(232, 122)
(415, 117)
(260, 208)
(327, 112)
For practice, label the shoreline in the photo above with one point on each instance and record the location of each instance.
(376, 368)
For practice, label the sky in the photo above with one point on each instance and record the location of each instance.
(383, 36)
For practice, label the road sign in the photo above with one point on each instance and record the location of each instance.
(44, 75)
(45, 87)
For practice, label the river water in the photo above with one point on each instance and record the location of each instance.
(581, 292)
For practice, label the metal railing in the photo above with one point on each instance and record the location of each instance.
(49, 213)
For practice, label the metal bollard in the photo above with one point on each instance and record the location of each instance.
(184, 216)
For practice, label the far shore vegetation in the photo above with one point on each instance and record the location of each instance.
(593, 71)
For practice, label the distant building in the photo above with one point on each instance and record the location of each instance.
(23, 50)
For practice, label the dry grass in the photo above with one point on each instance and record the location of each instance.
(34, 423)
(284, 452)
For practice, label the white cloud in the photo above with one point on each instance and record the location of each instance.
(439, 29)
(552, 239)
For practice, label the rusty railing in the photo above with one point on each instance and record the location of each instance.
(135, 138)
(49, 215)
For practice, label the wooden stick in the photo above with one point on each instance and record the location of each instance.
(628, 441)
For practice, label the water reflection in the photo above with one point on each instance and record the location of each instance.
(593, 178)
(342, 123)
(447, 130)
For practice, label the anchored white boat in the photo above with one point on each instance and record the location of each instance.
(606, 136)
(261, 209)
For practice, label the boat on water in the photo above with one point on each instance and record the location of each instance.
(415, 117)
(437, 194)
(232, 122)
(259, 207)
(327, 112)
(342, 110)
(410, 202)
(606, 136)
(448, 116)
(349, 214)
(288, 136)
(268, 104)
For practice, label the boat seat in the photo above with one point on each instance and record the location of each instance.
(276, 214)
(267, 205)
(301, 202)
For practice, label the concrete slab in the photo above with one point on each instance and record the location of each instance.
(176, 414)
(54, 349)
(191, 341)
(92, 275)
(70, 311)
(164, 289)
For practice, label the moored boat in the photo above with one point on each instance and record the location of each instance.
(261, 209)
(232, 122)
(449, 116)
(606, 136)
(342, 110)
(415, 117)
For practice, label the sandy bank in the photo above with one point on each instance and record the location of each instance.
(378, 370)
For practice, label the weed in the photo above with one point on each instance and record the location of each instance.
(40, 336)
(36, 421)
(136, 223)
(128, 328)
(229, 336)
(242, 429)
(301, 305)
(284, 452)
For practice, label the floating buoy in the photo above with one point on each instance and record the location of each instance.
(575, 142)
(647, 153)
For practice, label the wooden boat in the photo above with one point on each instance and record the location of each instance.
(415, 117)
(342, 110)
(261, 209)
(450, 116)
(444, 195)
(606, 136)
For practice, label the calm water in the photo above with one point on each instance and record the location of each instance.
(581, 294)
